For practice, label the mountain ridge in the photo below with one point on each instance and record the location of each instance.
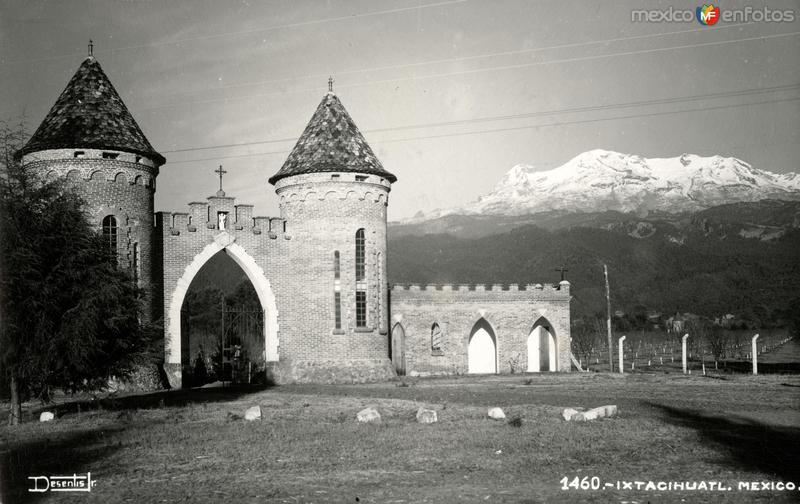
(601, 180)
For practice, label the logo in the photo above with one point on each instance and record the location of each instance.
(707, 14)
(72, 483)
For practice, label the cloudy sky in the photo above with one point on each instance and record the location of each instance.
(450, 93)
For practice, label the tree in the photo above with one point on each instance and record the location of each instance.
(70, 315)
(587, 333)
(717, 342)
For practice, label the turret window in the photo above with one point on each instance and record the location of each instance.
(110, 233)
(135, 264)
(360, 256)
(361, 286)
(337, 291)
(110, 155)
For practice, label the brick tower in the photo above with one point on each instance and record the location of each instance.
(333, 194)
(91, 139)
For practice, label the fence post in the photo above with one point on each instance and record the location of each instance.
(683, 346)
(755, 355)
(621, 370)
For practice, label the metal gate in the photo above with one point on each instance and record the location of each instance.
(224, 343)
(242, 344)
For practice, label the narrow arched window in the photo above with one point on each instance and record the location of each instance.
(360, 256)
(361, 285)
(436, 339)
(110, 233)
(135, 264)
(337, 291)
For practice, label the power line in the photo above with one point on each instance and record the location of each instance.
(584, 121)
(480, 70)
(516, 128)
(592, 108)
(255, 30)
(459, 59)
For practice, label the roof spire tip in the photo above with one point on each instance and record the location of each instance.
(330, 84)
(91, 48)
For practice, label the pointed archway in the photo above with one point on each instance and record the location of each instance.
(255, 274)
(399, 349)
(542, 348)
(482, 349)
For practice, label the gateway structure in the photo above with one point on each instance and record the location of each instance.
(319, 269)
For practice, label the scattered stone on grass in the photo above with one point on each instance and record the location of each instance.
(368, 415)
(426, 416)
(46, 416)
(253, 413)
(496, 413)
(592, 414)
(568, 413)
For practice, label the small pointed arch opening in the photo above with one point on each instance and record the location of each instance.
(398, 348)
(437, 336)
(482, 348)
(542, 347)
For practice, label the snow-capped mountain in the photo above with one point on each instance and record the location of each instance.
(601, 180)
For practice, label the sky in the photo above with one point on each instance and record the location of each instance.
(450, 94)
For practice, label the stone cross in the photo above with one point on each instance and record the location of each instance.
(221, 173)
(563, 270)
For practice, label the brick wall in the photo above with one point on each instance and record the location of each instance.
(511, 314)
(122, 187)
(295, 255)
(323, 213)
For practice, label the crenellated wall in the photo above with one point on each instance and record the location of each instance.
(259, 245)
(511, 312)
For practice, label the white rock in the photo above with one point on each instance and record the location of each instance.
(46, 416)
(253, 413)
(568, 413)
(368, 415)
(595, 413)
(426, 416)
(496, 413)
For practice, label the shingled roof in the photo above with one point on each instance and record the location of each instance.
(90, 114)
(331, 143)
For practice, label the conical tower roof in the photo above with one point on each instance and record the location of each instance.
(90, 114)
(331, 143)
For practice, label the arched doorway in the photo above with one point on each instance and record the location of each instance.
(222, 327)
(482, 349)
(542, 348)
(255, 274)
(399, 349)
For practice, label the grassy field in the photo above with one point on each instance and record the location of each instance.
(189, 446)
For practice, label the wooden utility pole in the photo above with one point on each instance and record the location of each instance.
(608, 323)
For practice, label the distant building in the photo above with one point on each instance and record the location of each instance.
(319, 270)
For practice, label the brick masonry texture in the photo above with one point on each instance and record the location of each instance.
(511, 313)
(121, 187)
(331, 186)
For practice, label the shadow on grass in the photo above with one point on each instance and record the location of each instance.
(62, 456)
(752, 445)
(160, 399)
